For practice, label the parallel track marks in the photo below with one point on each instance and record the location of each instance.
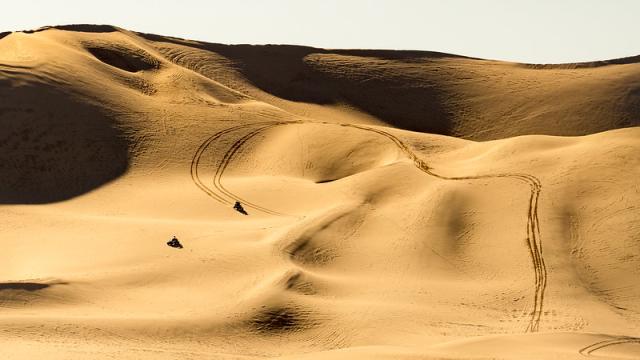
(534, 242)
(586, 351)
(228, 156)
(195, 162)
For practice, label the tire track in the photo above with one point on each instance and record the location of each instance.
(228, 156)
(227, 197)
(534, 242)
(586, 351)
(195, 162)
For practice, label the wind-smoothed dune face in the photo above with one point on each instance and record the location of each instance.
(388, 204)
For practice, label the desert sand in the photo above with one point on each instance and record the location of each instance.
(401, 204)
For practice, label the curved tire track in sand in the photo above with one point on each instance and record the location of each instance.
(228, 156)
(195, 161)
(534, 242)
(586, 351)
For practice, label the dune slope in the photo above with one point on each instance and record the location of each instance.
(377, 224)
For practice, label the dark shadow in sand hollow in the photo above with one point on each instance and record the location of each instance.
(286, 72)
(27, 286)
(55, 146)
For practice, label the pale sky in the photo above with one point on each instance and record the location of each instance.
(539, 31)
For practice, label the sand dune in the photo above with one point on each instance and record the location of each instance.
(401, 204)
